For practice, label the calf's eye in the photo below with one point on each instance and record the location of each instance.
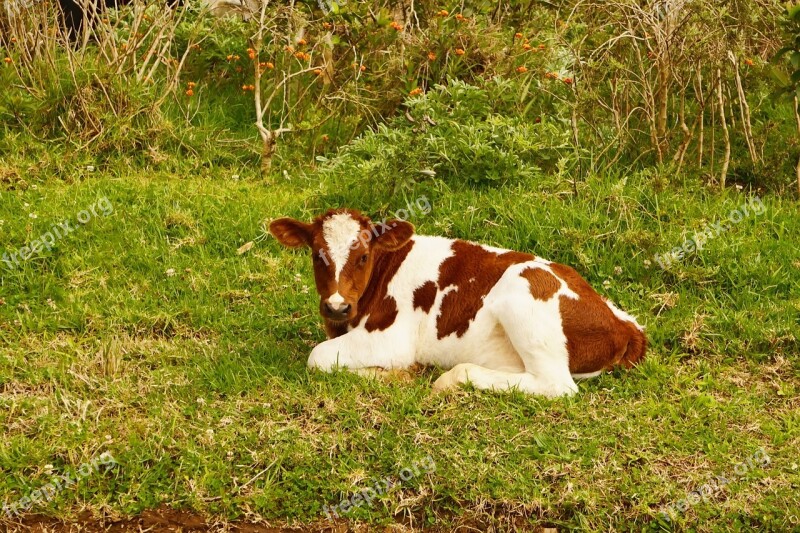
(364, 259)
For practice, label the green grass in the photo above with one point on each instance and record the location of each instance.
(145, 334)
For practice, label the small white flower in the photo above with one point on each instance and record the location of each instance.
(235, 177)
(606, 284)
(617, 270)
(48, 467)
(647, 263)
(33, 215)
(170, 272)
(304, 290)
(739, 187)
(90, 168)
(201, 401)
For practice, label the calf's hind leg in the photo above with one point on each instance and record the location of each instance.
(490, 379)
(535, 331)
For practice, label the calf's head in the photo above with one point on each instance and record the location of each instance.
(345, 246)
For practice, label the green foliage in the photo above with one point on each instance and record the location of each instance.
(790, 83)
(459, 134)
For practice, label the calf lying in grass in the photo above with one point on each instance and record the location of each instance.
(496, 318)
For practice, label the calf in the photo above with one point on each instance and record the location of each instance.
(493, 317)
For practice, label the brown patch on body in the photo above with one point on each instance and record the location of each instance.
(424, 296)
(543, 284)
(596, 338)
(375, 302)
(473, 271)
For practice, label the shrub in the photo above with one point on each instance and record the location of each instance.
(457, 134)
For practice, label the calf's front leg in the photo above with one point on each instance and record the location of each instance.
(359, 350)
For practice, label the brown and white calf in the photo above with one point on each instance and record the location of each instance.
(496, 318)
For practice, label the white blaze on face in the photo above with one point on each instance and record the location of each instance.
(340, 232)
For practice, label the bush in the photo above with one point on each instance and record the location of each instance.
(456, 135)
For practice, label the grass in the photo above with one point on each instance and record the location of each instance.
(145, 334)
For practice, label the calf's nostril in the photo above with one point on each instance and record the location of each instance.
(338, 308)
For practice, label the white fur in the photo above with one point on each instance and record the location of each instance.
(340, 231)
(514, 341)
(622, 315)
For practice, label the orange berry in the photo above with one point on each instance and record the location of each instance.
(522, 70)
(302, 42)
(244, 87)
(568, 81)
(252, 87)
(460, 51)
(189, 92)
(443, 13)
(748, 62)
(415, 92)
(318, 71)
(396, 26)
(236, 58)
(362, 68)
(327, 25)
(230, 57)
(269, 65)
(8, 60)
(517, 35)
(431, 56)
(325, 138)
(460, 17)
(191, 85)
(542, 47)
(526, 46)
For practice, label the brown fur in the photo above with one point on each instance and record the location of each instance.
(543, 284)
(425, 296)
(596, 338)
(474, 271)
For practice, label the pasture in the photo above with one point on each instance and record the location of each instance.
(146, 313)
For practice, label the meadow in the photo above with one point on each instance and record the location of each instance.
(154, 337)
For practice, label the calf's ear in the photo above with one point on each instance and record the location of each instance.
(291, 232)
(399, 232)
